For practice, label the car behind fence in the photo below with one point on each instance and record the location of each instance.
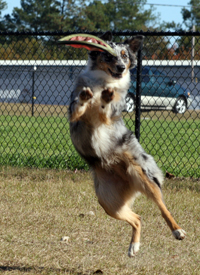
(163, 102)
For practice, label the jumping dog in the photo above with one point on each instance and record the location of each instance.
(120, 166)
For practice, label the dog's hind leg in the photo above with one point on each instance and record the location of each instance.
(125, 214)
(154, 192)
(134, 220)
(114, 195)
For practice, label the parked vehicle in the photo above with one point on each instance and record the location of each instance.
(158, 92)
(9, 95)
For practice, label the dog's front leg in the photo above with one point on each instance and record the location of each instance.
(78, 106)
(107, 96)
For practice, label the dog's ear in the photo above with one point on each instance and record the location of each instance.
(107, 36)
(135, 43)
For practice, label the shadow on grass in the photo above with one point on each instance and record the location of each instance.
(46, 270)
(183, 184)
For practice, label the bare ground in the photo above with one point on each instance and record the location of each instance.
(39, 207)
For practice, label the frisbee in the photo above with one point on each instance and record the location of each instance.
(87, 41)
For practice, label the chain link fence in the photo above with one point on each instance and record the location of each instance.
(163, 102)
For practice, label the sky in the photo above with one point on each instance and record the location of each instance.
(167, 13)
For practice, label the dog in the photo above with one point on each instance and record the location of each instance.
(121, 168)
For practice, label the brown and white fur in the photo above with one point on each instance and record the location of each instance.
(121, 168)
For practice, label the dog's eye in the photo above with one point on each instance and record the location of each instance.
(124, 56)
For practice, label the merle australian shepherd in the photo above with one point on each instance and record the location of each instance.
(120, 166)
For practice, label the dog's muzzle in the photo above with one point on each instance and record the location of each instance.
(119, 71)
(120, 68)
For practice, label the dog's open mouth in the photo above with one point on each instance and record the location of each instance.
(115, 75)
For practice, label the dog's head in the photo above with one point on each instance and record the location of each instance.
(116, 66)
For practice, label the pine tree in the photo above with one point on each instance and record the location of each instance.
(192, 16)
(117, 15)
(3, 5)
(34, 15)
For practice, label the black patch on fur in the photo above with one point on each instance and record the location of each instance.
(125, 138)
(94, 54)
(91, 160)
(154, 179)
(144, 156)
(70, 107)
(107, 36)
(108, 58)
(157, 182)
(74, 126)
(135, 42)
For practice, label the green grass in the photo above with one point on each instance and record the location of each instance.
(37, 142)
(45, 142)
(175, 145)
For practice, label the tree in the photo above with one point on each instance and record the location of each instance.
(94, 17)
(192, 16)
(129, 15)
(3, 6)
(34, 15)
(51, 15)
(156, 47)
(80, 15)
(117, 15)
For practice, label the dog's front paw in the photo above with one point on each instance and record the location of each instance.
(107, 95)
(85, 94)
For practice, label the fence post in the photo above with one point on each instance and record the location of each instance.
(33, 90)
(138, 95)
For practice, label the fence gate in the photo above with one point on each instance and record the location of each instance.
(163, 102)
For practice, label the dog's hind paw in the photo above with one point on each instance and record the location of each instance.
(133, 249)
(179, 234)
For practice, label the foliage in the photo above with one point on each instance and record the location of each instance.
(96, 17)
(192, 16)
(84, 16)
(37, 48)
(3, 5)
(34, 15)
(117, 15)
(43, 15)
(125, 17)
(155, 47)
(67, 15)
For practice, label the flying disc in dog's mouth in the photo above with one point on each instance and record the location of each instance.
(87, 41)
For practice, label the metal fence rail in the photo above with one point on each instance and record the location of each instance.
(36, 80)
